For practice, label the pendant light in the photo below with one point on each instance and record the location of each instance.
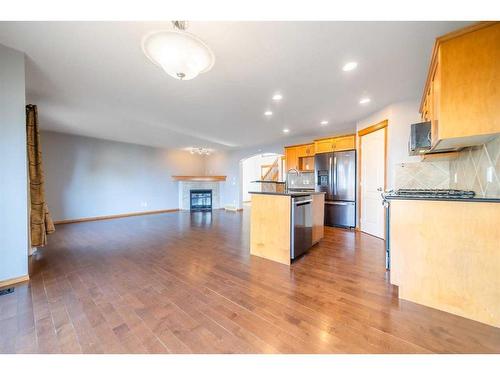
(182, 55)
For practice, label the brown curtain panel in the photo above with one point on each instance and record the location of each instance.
(41, 223)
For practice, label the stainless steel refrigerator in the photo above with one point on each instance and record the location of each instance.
(335, 175)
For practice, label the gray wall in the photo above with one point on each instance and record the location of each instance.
(87, 177)
(13, 171)
(400, 115)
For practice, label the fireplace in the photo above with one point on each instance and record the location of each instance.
(200, 200)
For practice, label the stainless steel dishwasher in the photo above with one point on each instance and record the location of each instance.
(301, 228)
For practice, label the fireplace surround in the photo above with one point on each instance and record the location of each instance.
(185, 188)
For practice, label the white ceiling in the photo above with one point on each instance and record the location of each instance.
(91, 78)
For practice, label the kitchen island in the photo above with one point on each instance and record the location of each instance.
(445, 254)
(285, 225)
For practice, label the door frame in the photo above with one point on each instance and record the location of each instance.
(370, 129)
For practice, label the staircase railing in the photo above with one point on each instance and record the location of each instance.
(272, 173)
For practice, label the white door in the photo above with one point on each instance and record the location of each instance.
(372, 183)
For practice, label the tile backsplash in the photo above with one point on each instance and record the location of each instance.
(422, 175)
(478, 169)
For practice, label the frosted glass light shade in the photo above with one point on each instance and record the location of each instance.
(181, 55)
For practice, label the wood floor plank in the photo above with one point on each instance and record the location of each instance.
(186, 283)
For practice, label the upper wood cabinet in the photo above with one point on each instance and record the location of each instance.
(307, 150)
(297, 157)
(344, 143)
(291, 158)
(301, 157)
(323, 145)
(462, 92)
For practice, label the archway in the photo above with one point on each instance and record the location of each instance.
(265, 166)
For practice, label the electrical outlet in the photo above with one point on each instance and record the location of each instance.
(144, 204)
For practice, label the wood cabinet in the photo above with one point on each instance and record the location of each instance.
(291, 158)
(305, 150)
(318, 209)
(462, 92)
(323, 145)
(456, 265)
(343, 143)
(271, 225)
(299, 157)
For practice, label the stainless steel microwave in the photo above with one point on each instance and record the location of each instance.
(420, 138)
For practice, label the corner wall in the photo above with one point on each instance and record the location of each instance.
(13, 167)
(89, 177)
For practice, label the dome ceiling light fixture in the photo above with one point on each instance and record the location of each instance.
(182, 55)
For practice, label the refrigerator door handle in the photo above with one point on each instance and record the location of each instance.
(330, 176)
(339, 203)
(334, 175)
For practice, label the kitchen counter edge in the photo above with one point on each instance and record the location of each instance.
(490, 200)
(289, 194)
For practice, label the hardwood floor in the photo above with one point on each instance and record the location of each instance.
(182, 283)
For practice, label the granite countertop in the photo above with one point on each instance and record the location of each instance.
(475, 199)
(289, 193)
(269, 182)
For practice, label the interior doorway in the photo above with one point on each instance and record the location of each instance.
(266, 166)
(372, 179)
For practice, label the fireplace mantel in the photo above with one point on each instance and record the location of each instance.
(199, 178)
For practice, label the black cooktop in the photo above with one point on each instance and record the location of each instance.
(433, 193)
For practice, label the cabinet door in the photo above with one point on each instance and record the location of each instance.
(344, 143)
(310, 149)
(323, 145)
(301, 151)
(469, 81)
(318, 211)
(291, 158)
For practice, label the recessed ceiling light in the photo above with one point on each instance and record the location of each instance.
(365, 101)
(286, 130)
(277, 97)
(324, 122)
(268, 113)
(350, 66)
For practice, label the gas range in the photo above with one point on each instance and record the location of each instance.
(432, 193)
